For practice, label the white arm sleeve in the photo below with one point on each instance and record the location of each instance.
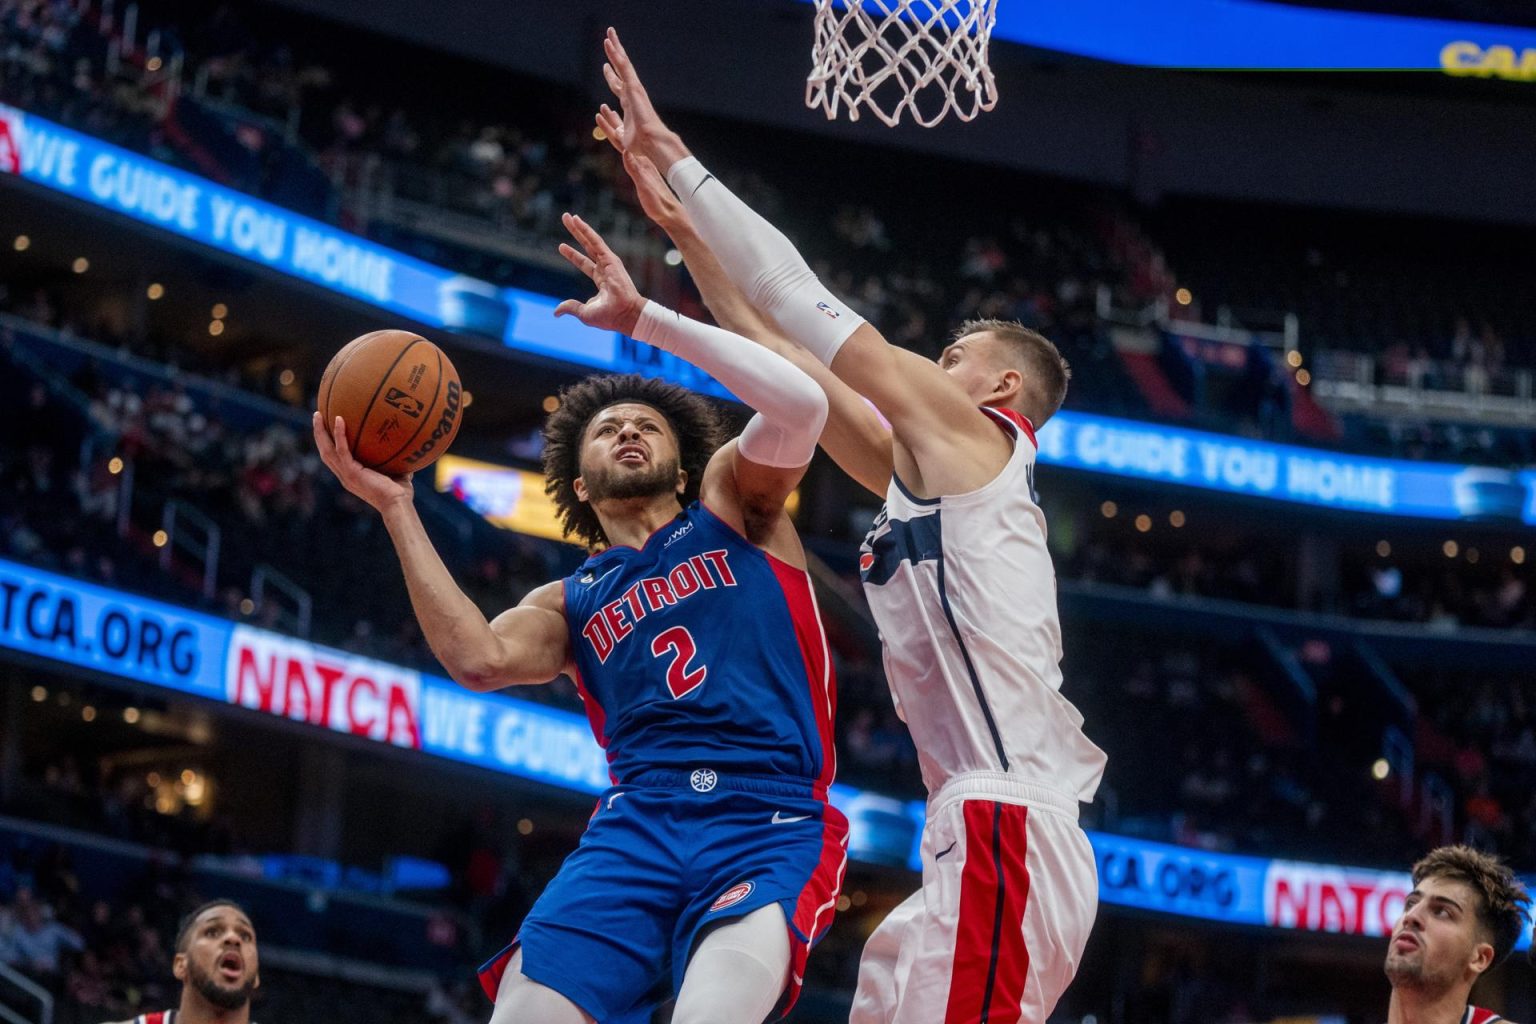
(791, 407)
(763, 263)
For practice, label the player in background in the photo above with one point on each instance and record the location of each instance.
(217, 964)
(1463, 917)
(714, 861)
(961, 584)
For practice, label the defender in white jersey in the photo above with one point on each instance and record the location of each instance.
(957, 573)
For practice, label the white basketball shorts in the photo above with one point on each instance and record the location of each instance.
(1010, 891)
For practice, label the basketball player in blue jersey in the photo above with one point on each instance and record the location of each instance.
(960, 582)
(714, 860)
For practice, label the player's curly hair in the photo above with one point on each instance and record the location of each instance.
(694, 420)
(1502, 900)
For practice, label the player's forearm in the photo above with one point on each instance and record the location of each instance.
(763, 263)
(762, 379)
(731, 308)
(854, 435)
(457, 632)
(791, 406)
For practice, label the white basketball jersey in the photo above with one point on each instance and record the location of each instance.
(964, 593)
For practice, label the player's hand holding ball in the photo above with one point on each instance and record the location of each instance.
(374, 487)
(617, 304)
(390, 404)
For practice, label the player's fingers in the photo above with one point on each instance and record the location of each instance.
(571, 307)
(614, 81)
(344, 457)
(589, 238)
(612, 127)
(324, 443)
(619, 58)
(578, 260)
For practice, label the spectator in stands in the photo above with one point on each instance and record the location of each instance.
(31, 940)
(217, 965)
(1463, 917)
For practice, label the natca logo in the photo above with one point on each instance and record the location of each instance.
(327, 688)
(10, 140)
(1321, 898)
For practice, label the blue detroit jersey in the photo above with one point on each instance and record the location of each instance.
(699, 649)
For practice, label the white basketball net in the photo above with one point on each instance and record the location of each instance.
(923, 57)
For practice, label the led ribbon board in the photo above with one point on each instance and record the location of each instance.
(1257, 35)
(231, 222)
(132, 638)
(1305, 476)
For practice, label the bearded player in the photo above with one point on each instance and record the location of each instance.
(962, 587)
(714, 861)
(1462, 919)
(218, 967)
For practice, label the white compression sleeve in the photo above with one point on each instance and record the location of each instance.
(763, 263)
(791, 407)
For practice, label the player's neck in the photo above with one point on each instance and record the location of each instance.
(194, 1009)
(1413, 1006)
(629, 522)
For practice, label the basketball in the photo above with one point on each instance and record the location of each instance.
(399, 397)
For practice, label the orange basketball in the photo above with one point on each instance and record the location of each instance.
(399, 396)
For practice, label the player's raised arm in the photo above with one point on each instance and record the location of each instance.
(930, 413)
(772, 452)
(854, 435)
(527, 644)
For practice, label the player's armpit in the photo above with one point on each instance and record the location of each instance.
(532, 644)
(750, 497)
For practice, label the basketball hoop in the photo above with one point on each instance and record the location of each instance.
(923, 57)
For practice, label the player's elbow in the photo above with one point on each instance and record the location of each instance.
(475, 676)
(478, 670)
(805, 406)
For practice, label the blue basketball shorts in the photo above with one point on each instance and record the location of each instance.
(665, 856)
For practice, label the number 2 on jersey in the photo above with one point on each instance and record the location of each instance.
(678, 642)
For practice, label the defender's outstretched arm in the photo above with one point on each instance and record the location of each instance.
(927, 410)
(770, 456)
(854, 436)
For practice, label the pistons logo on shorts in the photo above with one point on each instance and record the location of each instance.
(732, 896)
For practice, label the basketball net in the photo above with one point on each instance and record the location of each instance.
(926, 58)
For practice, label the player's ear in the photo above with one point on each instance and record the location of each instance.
(1008, 384)
(1482, 958)
(580, 487)
(179, 967)
(682, 480)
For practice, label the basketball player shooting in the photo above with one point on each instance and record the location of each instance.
(961, 584)
(714, 861)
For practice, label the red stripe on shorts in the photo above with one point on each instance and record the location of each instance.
(991, 963)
